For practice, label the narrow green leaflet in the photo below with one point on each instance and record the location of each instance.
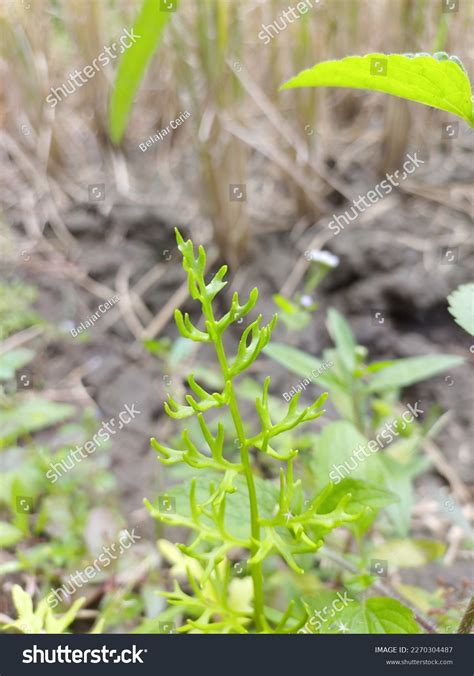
(412, 370)
(461, 306)
(343, 339)
(149, 26)
(438, 81)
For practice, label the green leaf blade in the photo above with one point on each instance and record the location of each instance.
(380, 615)
(149, 26)
(405, 372)
(423, 79)
(343, 338)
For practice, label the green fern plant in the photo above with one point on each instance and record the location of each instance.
(228, 506)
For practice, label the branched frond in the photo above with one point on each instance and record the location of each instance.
(273, 521)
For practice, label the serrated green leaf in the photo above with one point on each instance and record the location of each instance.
(404, 372)
(438, 83)
(380, 615)
(461, 306)
(133, 63)
(323, 609)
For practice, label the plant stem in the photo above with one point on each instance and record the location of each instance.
(257, 573)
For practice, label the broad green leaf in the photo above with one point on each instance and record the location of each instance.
(339, 454)
(461, 306)
(436, 81)
(237, 517)
(404, 372)
(378, 615)
(11, 361)
(398, 479)
(323, 610)
(409, 553)
(364, 494)
(341, 334)
(149, 26)
(31, 416)
(9, 535)
(301, 364)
